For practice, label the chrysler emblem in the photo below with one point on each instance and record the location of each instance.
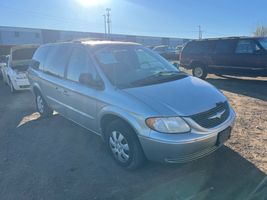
(218, 115)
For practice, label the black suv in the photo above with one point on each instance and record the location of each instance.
(239, 56)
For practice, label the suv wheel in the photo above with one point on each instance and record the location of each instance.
(124, 146)
(42, 106)
(200, 71)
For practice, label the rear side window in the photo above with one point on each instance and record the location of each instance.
(79, 63)
(57, 59)
(224, 46)
(199, 47)
(39, 57)
(246, 46)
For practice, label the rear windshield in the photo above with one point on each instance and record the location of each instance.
(23, 54)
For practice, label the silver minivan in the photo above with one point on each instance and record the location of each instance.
(141, 105)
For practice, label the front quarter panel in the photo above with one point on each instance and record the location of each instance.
(137, 122)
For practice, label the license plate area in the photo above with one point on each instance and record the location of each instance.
(223, 136)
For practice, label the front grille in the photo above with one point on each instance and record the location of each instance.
(213, 117)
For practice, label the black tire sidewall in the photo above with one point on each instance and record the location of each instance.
(47, 111)
(135, 150)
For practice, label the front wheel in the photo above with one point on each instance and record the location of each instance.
(200, 71)
(124, 145)
(42, 106)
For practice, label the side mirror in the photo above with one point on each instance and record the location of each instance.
(87, 79)
(35, 64)
(260, 51)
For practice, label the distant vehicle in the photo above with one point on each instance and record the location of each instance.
(3, 64)
(240, 56)
(167, 52)
(18, 63)
(139, 103)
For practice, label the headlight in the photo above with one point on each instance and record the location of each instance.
(168, 125)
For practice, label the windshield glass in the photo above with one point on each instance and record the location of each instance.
(128, 64)
(263, 43)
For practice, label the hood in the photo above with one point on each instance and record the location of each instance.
(184, 97)
(21, 65)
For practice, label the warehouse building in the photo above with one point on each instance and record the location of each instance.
(10, 36)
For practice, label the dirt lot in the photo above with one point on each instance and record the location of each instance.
(56, 159)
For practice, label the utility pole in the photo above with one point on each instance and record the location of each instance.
(199, 32)
(105, 24)
(108, 20)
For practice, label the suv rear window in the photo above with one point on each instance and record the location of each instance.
(224, 46)
(199, 47)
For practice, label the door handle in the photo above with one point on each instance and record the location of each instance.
(65, 93)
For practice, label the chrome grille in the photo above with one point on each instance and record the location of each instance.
(213, 117)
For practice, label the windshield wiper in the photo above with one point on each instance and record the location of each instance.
(159, 77)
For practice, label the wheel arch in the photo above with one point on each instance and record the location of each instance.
(35, 89)
(109, 114)
(194, 63)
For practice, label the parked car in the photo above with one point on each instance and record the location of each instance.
(3, 64)
(18, 63)
(241, 56)
(167, 52)
(139, 103)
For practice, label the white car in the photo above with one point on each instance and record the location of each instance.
(18, 63)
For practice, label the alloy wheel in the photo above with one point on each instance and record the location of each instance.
(198, 72)
(119, 146)
(40, 104)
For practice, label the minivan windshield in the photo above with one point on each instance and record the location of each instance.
(263, 42)
(133, 65)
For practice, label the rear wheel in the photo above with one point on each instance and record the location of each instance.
(42, 106)
(199, 71)
(124, 145)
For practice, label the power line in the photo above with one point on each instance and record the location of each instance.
(200, 32)
(108, 20)
(105, 24)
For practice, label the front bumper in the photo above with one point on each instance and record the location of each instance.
(179, 148)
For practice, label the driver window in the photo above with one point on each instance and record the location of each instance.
(247, 47)
(78, 64)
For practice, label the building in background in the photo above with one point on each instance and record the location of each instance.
(10, 36)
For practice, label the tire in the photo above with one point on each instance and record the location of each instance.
(124, 145)
(199, 71)
(42, 107)
(12, 89)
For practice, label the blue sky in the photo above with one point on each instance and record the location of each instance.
(170, 18)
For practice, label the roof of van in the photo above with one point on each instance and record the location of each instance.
(92, 42)
(99, 42)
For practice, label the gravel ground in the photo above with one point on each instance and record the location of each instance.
(56, 159)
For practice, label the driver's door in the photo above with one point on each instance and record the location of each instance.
(79, 99)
